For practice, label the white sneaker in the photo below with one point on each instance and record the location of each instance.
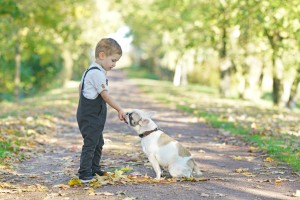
(87, 179)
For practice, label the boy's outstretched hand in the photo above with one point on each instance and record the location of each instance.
(121, 115)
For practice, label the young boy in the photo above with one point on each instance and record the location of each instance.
(91, 111)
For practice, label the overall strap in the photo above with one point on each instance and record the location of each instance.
(82, 87)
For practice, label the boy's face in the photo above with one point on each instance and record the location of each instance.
(109, 62)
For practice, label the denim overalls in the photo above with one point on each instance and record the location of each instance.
(91, 117)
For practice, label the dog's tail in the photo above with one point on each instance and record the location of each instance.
(194, 166)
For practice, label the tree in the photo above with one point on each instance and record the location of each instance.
(34, 30)
(168, 31)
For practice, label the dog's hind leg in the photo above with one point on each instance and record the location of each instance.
(180, 171)
(192, 164)
(155, 166)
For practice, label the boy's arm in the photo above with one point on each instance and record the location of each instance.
(108, 99)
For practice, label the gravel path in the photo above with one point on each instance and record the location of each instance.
(234, 169)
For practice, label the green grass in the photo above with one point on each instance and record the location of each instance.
(9, 148)
(276, 132)
(4, 149)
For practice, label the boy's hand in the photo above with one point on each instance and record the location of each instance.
(121, 115)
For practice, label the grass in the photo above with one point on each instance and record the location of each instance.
(274, 130)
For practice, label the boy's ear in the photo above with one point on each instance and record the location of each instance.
(151, 113)
(144, 122)
(102, 55)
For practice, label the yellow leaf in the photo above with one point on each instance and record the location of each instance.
(236, 157)
(278, 182)
(118, 173)
(248, 174)
(268, 159)
(241, 170)
(126, 169)
(91, 191)
(74, 182)
(195, 179)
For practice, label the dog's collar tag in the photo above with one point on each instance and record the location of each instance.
(147, 133)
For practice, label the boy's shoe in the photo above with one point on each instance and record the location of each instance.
(98, 172)
(86, 179)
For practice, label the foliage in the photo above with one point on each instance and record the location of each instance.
(33, 28)
(46, 36)
(240, 46)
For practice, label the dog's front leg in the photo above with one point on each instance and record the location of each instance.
(155, 166)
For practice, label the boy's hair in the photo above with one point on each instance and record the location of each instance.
(109, 46)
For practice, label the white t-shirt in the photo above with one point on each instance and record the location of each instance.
(95, 82)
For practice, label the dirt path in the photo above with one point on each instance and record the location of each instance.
(235, 170)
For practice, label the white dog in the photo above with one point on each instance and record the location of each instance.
(161, 149)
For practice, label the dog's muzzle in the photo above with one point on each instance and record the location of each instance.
(131, 121)
(127, 114)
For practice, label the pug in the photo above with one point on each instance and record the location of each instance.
(161, 150)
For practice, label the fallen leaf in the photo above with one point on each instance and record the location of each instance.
(62, 186)
(240, 170)
(126, 169)
(204, 195)
(122, 192)
(105, 193)
(268, 159)
(5, 191)
(246, 158)
(195, 179)
(220, 195)
(91, 191)
(278, 182)
(129, 198)
(74, 182)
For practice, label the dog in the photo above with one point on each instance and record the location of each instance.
(161, 150)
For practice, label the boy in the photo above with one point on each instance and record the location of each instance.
(92, 110)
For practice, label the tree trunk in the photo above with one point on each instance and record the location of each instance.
(277, 87)
(275, 39)
(261, 77)
(291, 104)
(224, 87)
(68, 66)
(276, 90)
(17, 72)
(177, 75)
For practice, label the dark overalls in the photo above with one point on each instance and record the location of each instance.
(91, 117)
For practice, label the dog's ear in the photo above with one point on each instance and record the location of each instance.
(144, 122)
(150, 114)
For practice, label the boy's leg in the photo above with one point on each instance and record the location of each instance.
(100, 142)
(98, 154)
(90, 138)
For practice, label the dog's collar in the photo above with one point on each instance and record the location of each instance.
(148, 133)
